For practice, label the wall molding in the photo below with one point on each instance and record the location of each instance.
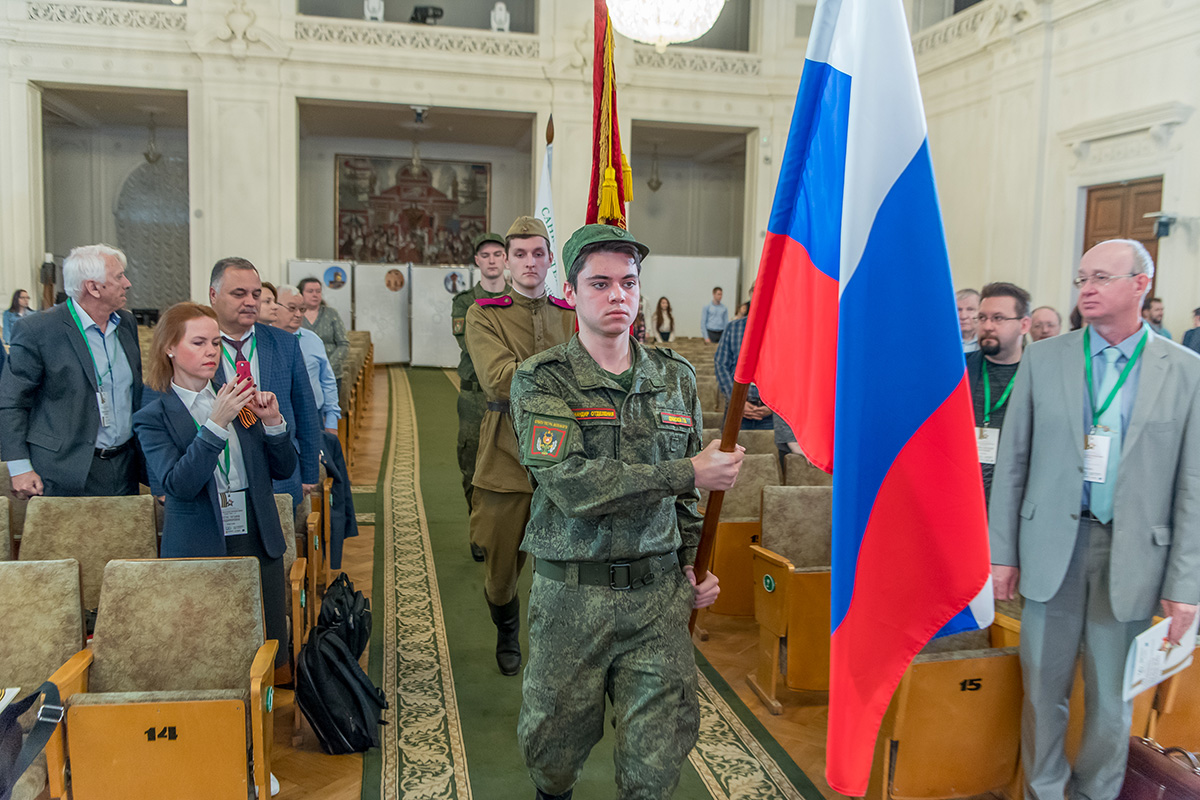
(695, 60)
(1137, 133)
(418, 37)
(109, 14)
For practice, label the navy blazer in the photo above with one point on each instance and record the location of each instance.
(181, 461)
(281, 370)
(1191, 339)
(48, 410)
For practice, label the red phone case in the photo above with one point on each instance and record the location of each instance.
(243, 372)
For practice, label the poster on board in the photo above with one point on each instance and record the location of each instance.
(337, 283)
(381, 307)
(432, 291)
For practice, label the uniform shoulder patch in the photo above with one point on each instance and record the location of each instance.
(675, 418)
(459, 325)
(501, 301)
(563, 304)
(548, 437)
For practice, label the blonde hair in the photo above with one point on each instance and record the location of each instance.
(168, 333)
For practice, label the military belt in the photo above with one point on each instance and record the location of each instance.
(620, 576)
(469, 386)
(502, 407)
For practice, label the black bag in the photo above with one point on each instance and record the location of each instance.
(15, 758)
(347, 613)
(336, 696)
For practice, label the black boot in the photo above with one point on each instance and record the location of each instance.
(543, 796)
(508, 641)
(476, 552)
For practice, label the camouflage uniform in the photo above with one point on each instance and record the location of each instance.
(617, 487)
(471, 403)
(501, 333)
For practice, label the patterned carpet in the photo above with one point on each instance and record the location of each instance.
(438, 718)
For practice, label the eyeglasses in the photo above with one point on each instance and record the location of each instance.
(1100, 280)
(995, 319)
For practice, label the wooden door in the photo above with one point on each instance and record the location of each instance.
(1116, 211)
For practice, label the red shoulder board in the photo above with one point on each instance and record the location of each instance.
(563, 304)
(502, 300)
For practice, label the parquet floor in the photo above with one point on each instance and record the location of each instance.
(306, 773)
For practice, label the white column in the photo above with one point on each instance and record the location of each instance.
(22, 213)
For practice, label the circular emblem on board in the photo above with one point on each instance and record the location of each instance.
(768, 583)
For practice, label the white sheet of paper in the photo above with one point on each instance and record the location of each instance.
(1148, 664)
(987, 440)
(233, 512)
(1095, 457)
(106, 409)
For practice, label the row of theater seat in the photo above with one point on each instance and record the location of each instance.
(357, 386)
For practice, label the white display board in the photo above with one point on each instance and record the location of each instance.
(432, 289)
(337, 280)
(688, 281)
(381, 301)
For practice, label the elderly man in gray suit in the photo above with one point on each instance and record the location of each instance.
(1095, 513)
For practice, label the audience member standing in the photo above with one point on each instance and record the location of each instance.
(268, 305)
(491, 260)
(1046, 324)
(1152, 312)
(755, 414)
(213, 453)
(1192, 338)
(992, 369)
(968, 313)
(275, 360)
(663, 327)
(326, 323)
(71, 384)
(18, 308)
(288, 318)
(1095, 512)
(714, 317)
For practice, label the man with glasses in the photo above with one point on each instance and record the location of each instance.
(1002, 324)
(1095, 516)
(1047, 323)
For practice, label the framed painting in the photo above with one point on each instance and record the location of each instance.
(398, 210)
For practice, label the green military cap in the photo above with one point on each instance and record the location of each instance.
(591, 234)
(528, 226)
(484, 238)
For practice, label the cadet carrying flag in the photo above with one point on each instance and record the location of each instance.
(853, 338)
(612, 181)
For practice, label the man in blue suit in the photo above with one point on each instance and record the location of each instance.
(275, 362)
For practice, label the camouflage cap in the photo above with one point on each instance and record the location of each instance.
(528, 226)
(484, 238)
(592, 234)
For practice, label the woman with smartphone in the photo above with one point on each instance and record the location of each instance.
(213, 450)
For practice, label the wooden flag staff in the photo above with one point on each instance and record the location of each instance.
(712, 509)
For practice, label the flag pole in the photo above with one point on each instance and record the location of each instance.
(712, 510)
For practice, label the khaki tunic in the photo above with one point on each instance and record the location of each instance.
(500, 335)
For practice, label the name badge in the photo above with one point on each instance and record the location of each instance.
(233, 512)
(104, 403)
(1095, 456)
(987, 440)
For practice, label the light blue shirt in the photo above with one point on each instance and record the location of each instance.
(320, 375)
(713, 317)
(1128, 390)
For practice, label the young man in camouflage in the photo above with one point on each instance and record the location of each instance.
(491, 261)
(610, 433)
(501, 333)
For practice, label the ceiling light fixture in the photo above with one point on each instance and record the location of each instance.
(664, 22)
(654, 183)
(152, 155)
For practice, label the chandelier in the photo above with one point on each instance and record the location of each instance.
(664, 22)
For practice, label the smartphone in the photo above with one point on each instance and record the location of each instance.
(243, 372)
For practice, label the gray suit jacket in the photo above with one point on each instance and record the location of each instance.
(48, 410)
(1038, 485)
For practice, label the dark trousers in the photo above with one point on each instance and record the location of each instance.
(714, 336)
(664, 336)
(274, 583)
(108, 477)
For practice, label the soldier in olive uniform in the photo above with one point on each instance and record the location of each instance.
(491, 261)
(501, 333)
(610, 433)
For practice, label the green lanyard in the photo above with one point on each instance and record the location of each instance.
(229, 358)
(224, 470)
(1087, 361)
(79, 324)
(988, 408)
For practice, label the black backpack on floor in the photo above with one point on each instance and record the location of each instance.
(336, 697)
(347, 613)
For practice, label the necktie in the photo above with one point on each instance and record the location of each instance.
(1102, 493)
(237, 346)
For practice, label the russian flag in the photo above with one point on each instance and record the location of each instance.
(853, 338)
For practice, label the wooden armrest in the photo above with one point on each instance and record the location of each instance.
(70, 678)
(771, 557)
(262, 676)
(299, 567)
